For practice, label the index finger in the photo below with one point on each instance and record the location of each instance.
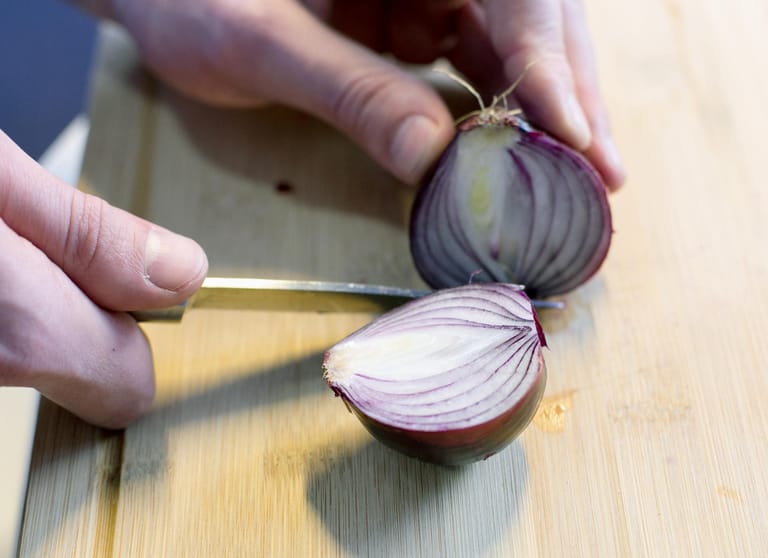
(531, 31)
(602, 151)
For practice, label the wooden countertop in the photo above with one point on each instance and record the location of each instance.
(653, 436)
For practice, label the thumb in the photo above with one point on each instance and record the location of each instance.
(120, 261)
(399, 120)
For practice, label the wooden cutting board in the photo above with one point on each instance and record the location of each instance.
(653, 436)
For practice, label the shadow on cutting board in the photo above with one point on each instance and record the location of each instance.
(100, 463)
(92, 475)
(292, 154)
(289, 152)
(293, 148)
(377, 502)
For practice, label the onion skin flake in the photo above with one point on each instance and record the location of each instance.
(507, 203)
(450, 378)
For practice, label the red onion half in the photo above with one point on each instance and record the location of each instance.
(515, 205)
(450, 378)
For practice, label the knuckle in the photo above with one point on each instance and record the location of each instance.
(221, 61)
(356, 105)
(236, 28)
(84, 232)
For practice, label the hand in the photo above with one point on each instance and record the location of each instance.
(320, 57)
(70, 265)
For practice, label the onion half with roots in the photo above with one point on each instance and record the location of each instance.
(450, 378)
(507, 203)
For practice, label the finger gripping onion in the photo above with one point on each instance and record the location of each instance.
(450, 378)
(513, 204)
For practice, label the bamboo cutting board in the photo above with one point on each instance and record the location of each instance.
(652, 439)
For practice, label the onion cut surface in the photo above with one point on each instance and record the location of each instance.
(450, 378)
(507, 203)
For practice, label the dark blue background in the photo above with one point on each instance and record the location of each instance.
(46, 49)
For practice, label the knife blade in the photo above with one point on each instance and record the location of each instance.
(238, 293)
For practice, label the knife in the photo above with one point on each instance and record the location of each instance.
(236, 293)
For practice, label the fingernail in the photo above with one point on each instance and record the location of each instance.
(581, 136)
(172, 261)
(410, 149)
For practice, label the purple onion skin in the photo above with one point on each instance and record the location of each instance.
(547, 258)
(455, 448)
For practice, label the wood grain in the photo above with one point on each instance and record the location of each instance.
(652, 439)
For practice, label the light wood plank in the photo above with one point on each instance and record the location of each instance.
(653, 437)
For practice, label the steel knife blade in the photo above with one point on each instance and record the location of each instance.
(238, 293)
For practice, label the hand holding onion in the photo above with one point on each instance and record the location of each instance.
(320, 56)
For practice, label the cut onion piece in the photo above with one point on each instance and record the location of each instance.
(450, 378)
(513, 204)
